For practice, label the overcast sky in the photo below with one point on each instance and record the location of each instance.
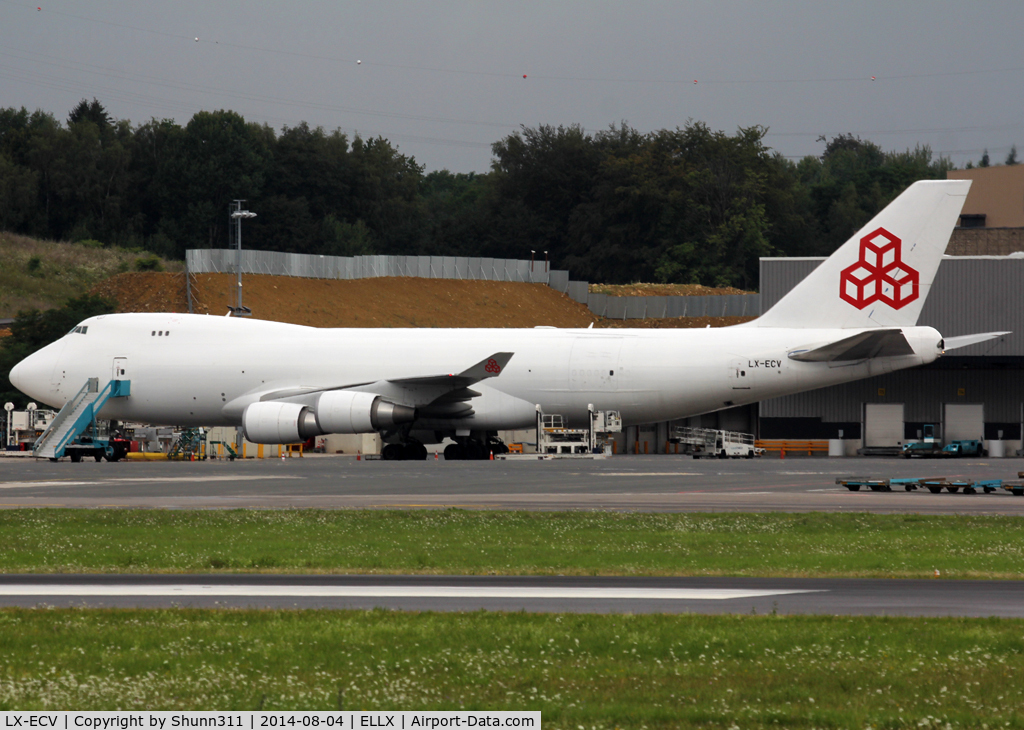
(443, 80)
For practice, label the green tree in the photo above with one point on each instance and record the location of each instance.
(1011, 158)
(219, 158)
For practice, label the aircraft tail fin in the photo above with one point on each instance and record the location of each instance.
(882, 276)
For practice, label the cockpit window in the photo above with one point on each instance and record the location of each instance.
(79, 330)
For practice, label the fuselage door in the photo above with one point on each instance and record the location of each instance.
(594, 363)
(740, 376)
(120, 370)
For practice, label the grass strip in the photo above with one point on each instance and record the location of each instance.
(510, 543)
(596, 671)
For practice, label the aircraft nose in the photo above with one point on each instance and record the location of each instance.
(32, 375)
(17, 376)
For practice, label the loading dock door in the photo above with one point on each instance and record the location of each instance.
(883, 424)
(963, 421)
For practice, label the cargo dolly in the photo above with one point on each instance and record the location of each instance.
(934, 484)
(1015, 486)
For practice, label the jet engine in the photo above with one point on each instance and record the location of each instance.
(336, 411)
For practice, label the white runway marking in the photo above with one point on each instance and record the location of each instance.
(154, 479)
(300, 591)
(204, 479)
(29, 485)
(647, 474)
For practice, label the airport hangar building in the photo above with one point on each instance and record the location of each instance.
(976, 392)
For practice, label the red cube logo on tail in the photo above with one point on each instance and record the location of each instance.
(880, 274)
(492, 366)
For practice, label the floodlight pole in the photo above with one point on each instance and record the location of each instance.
(238, 215)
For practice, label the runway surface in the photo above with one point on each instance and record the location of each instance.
(555, 594)
(640, 483)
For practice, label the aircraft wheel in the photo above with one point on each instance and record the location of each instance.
(474, 451)
(392, 452)
(415, 452)
(76, 456)
(454, 452)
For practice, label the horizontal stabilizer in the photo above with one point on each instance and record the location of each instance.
(863, 346)
(953, 343)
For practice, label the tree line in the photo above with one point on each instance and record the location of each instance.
(686, 205)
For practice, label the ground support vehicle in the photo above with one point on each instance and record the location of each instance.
(701, 442)
(922, 450)
(554, 438)
(964, 448)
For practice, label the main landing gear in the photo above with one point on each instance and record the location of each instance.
(473, 450)
(412, 451)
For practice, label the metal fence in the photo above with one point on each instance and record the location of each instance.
(274, 263)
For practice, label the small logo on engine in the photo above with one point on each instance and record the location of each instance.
(880, 274)
(492, 366)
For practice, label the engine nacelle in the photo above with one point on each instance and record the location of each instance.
(278, 423)
(347, 411)
(336, 411)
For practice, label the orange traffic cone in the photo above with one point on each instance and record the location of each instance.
(492, 455)
(435, 456)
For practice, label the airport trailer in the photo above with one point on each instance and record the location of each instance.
(933, 484)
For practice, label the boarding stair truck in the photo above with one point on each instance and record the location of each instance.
(702, 442)
(76, 433)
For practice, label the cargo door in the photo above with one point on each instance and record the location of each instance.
(883, 425)
(594, 362)
(963, 422)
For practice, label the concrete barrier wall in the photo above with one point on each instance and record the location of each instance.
(276, 263)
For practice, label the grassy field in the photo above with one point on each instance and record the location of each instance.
(510, 543)
(578, 670)
(45, 274)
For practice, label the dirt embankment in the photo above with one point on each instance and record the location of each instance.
(381, 302)
(663, 290)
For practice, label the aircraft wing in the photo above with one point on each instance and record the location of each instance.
(863, 346)
(489, 367)
(443, 391)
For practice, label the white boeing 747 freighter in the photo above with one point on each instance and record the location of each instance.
(854, 317)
